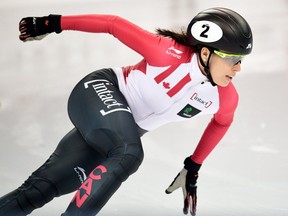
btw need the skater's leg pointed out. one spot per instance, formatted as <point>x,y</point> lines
<point>62,173</point>
<point>109,130</point>
<point>123,160</point>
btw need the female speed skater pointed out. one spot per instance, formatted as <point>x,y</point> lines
<point>182,74</point>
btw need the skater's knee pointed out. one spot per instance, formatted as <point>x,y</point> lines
<point>34,194</point>
<point>129,160</point>
<point>41,192</point>
<point>126,153</point>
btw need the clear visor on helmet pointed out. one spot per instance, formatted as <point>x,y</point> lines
<point>232,59</point>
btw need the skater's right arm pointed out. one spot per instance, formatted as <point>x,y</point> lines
<point>149,45</point>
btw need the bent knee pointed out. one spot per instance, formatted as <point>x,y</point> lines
<point>129,161</point>
<point>126,155</point>
<point>33,194</point>
<point>39,193</point>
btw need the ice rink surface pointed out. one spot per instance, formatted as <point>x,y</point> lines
<point>247,174</point>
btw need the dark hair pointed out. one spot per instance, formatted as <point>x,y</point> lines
<point>180,37</point>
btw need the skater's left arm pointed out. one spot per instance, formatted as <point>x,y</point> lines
<point>214,132</point>
<point>219,124</point>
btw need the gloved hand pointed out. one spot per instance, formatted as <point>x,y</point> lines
<point>187,179</point>
<point>36,28</point>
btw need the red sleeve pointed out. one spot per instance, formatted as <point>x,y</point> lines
<point>218,125</point>
<point>147,44</point>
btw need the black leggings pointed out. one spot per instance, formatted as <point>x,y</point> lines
<point>95,157</point>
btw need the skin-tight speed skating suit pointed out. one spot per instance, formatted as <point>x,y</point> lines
<point>112,108</point>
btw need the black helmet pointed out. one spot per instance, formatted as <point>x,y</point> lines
<point>221,29</point>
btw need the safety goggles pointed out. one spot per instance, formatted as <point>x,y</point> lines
<point>232,59</point>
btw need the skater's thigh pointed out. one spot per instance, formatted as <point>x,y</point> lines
<point>101,113</point>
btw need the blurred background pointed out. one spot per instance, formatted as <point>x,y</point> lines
<point>245,175</point>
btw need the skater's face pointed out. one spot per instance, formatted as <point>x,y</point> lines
<point>223,67</point>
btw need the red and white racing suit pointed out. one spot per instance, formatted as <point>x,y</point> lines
<point>167,85</point>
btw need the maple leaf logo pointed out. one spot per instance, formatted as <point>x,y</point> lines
<point>166,85</point>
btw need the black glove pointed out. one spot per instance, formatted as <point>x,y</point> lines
<point>187,179</point>
<point>36,28</point>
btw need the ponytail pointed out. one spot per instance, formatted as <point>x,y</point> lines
<point>180,37</point>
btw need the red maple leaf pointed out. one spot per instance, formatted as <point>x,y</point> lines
<point>166,85</point>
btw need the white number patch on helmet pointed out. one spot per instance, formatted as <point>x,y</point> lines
<point>206,31</point>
